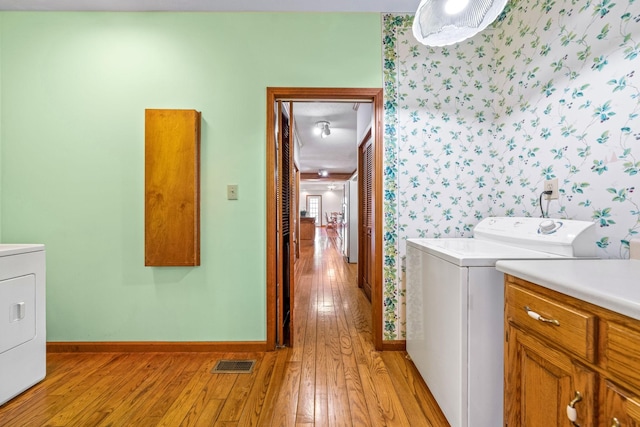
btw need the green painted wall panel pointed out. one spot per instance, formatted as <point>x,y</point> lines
<point>74,89</point>
<point>1,128</point>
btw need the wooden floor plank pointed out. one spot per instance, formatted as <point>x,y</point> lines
<point>257,398</point>
<point>209,413</point>
<point>97,402</point>
<point>303,278</point>
<point>321,411</point>
<point>349,340</point>
<point>237,398</point>
<point>66,392</point>
<point>154,400</point>
<point>374,410</point>
<point>338,398</point>
<point>284,412</point>
<point>332,376</point>
<point>190,394</point>
<point>276,384</point>
<point>404,370</point>
<point>42,399</point>
<point>412,409</point>
<point>306,309</point>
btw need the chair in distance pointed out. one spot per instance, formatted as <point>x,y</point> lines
<point>331,222</point>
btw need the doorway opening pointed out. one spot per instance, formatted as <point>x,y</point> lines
<point>279,189</point>
<point>314,208</point>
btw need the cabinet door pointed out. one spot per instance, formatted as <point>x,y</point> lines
<point>540,382</point>
<point>620,408</point>
<point>172,188</point>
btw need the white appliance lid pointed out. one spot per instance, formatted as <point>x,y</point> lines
<point>475,252</point>
<point>497,238</point>
<point>7,249</point>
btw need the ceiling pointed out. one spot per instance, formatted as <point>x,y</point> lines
<point>335,153</point>
<point>215,5</point>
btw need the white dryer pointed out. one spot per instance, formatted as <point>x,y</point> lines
<point>22,318</point>
<point>455,306</point>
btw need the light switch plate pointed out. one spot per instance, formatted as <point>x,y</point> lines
<point>232,192</point>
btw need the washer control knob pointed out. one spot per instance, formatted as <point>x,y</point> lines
<point>547,226</point>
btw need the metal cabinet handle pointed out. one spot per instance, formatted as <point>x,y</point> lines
<point>572,414</point>
<point>615,422</point>
<point>536,316</point>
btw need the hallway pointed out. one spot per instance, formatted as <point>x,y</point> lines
<point>331,377</point>
<point>343,380</point>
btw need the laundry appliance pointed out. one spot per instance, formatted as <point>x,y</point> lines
<point>22,318</point>
<point>455,306</point>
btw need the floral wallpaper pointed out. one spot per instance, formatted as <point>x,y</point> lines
<point>550,90</point>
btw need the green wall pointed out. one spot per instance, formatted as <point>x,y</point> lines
<point>0,128</point>
<point>74,89</point>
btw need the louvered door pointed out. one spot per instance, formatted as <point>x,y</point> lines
<point>285,264</point>
<point>366,242</point>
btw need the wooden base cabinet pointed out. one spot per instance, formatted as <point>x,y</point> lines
<point>620,407</point>
<point>307,228</point>
<point>564,356</point>
<point>542,382</point>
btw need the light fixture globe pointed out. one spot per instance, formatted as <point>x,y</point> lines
<point>446,22</point>
<point>322,128</point>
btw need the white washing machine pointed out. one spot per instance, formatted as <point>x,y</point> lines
<point>22,318</point>
<point>455,306</point>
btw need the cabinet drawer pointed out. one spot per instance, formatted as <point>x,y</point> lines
<point>622,351</point>
<point>574,330</point>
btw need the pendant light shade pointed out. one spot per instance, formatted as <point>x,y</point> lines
<point>445,22</point>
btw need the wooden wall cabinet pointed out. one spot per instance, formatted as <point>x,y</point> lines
<point>172,188</point>
<point>590,350</point>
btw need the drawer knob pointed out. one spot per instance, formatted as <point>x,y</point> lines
<point>615,422</point>
<point>572,413</point>
<point>536,316</point>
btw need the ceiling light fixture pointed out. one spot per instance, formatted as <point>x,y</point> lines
<point>445,22</point>
<point>322,129</point>
<point>323,173</point>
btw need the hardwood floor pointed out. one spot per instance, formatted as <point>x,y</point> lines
<point>332,376</point>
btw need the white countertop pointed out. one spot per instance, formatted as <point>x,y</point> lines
<point>613,284</point>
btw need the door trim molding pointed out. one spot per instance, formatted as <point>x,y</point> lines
<point>373,95</point>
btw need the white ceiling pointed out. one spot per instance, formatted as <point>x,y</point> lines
<point>216,5</point>
<point>337,152</point>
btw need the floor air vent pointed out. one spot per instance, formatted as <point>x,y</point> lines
<point>233,367</point>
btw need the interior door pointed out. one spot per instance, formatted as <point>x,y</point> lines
<point>314,208</point>
<point>285,225</point>
<point>366,243</point>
